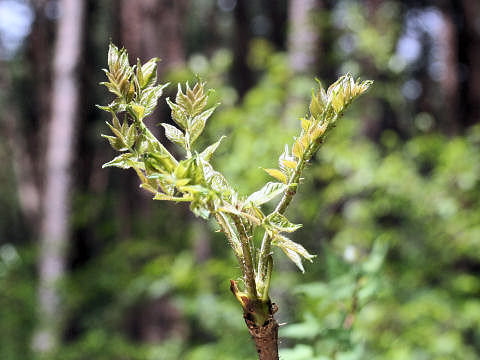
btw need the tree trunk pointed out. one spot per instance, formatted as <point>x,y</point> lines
<point>470,44</point>
<point>54,230</point>
<point>303,36</point>
<point>449,79</point>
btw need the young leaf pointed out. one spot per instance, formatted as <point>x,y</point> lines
<point>198,123</point>
<point>115,143</point>
<point>150,97</point>
<point>266,193</point>
<point>280,223</point>
<point>277,174</point>
<point>290,164</point>
<point>293,250</point>
<point>178,114</point>
<point>137,111</point>
<point>165,197</point>
<point>174,135</point>
<point>124,161</point>
<point>149,73</point>
<point>208,152</point>
<point>131,135</point>
<point>297,149</point>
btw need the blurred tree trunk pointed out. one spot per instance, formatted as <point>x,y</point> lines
<point>242,74</point>
<point>54,230</point>
<point>470,43</point>
<point>449,79</point>
<point>28,192</point>
<point>154,28</point>
<point>303,35</point>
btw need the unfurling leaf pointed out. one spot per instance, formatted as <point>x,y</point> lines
<point>137,111</point>
<point>115,143</point>
<point>280,223</point>
<point>150,97</point>
<point>194,100</point>
<point>124,161</point>
<point>148,72</point>
<point>178,114</point>
<point>290,164</point>
<point>297,149</point>
<point>159,162</point>
<point>174,135</point>
<point>198,123</point>
<point>208,152</point>
<point>277,174</point>
<point>293,250</point>
<point>306,124</point>
<point>266,193</point>
<point>165,197</point>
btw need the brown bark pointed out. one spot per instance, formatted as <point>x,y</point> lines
<point>56,202</point>
<point>265,338</point>
<point>260,322</point>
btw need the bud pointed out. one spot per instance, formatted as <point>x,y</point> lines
<point>316,106</point>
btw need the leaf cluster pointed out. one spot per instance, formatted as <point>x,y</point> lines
<point>193,179</point>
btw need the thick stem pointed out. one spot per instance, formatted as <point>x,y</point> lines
<point>249,271</point>
<point>265,338</point>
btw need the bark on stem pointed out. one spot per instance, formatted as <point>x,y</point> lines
<point>265,338</point>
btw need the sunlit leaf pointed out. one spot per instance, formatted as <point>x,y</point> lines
<point>293,250</point>
<point>277,174</point>
<point>198,123</point>
<point>174,135</point>
<point>266,193</point>
<point>208,152</point>
<point>280,223</point>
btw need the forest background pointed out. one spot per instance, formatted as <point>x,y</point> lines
<point>91,267</point>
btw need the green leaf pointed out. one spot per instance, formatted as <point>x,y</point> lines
<point>214,179</point>
<point>149,73</point>
<point>131,135</point>
<point>188,169</point>
<point>165,197</point>
<point>115,143</point>
<point>123,161</point>
<point>197,124</point>
<point>293,250</point>
<point>150,97</point>
<point>178,114</point>
<point>121,139</point>
<point>194,100</point>
<point>208,152</point>
<point>277,174</point>
<point>137,111</point>
<point>297,149</point>
<point>174,135</point>
<point>280,223</point>
<point>266,193</point>
<point>159,162</point>
<point>290,164</point>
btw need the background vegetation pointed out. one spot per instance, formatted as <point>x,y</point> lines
<point>390,206</point>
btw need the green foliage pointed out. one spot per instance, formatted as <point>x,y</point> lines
<point>194,180</point>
